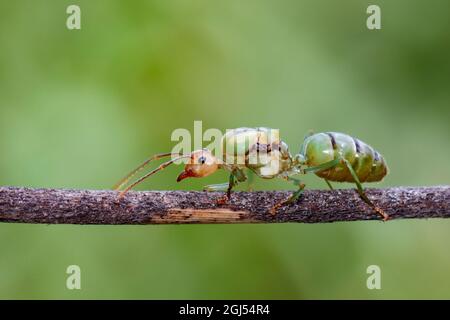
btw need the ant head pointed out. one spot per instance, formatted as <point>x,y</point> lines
<point>201,164</point>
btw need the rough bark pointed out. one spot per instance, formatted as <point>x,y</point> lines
<point>49,206</point>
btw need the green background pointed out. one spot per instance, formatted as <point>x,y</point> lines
<point>78,109</point>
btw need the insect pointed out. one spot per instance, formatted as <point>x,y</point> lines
<point>332,156</point>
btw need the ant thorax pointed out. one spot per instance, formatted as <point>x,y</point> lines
<point>257,149</point>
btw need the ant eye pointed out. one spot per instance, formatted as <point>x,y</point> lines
<point>201,160</point>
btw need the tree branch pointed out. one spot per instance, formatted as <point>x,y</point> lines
<point>164,207</point>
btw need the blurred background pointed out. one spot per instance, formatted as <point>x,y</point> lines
<point>79,109</point>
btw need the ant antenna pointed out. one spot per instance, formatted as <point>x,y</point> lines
<point>127,178</point>
<point>161,167</point>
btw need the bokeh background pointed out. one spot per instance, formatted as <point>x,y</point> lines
<point>78,109</point>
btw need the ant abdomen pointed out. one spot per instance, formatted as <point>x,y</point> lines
<point>368,164</point>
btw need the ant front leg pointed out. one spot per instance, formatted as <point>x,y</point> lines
<point>216,187</point>
<point>224,199</point>
<point>227,186</point>
<point>294,197</point>
<point>236,176</point>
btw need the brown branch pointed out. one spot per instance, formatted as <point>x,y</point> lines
<point>164,207</point>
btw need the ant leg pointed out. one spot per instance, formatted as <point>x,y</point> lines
<point>322,166</point>
<point>361,192</point>
<point>294,197</point>
<point>216,187</point>
<point>329,184</point>
<point>232,182</point>
<point>237,175</point>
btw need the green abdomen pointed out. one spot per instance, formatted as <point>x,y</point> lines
<point>320,148</point>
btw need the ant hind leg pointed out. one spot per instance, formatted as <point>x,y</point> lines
<point>362,193</point>
<point>329,184</point>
